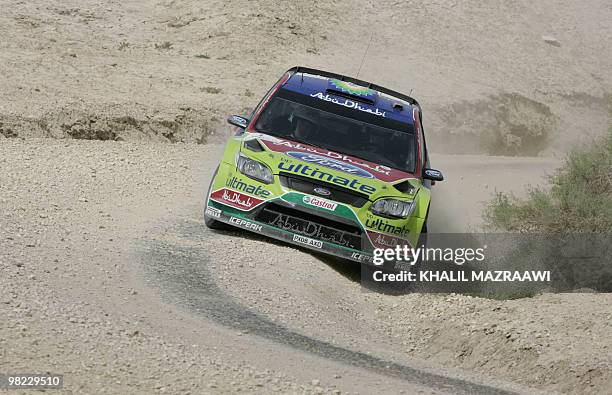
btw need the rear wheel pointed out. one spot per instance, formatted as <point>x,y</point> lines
<point>389,278</point>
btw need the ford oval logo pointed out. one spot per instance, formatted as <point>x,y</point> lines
<point>331,163</point>
<point>322,191</point>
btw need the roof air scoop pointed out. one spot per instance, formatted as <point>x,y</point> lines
<point>351,91</point>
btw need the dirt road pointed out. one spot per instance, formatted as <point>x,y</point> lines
<point>111,278</point>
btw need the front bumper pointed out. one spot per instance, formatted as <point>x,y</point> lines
<point>352,248</point>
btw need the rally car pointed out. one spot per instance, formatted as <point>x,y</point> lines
<point>327,162</point>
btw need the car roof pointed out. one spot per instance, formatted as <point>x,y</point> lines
<point>345,90</point>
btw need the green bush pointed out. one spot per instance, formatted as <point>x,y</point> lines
<point>580,199</point>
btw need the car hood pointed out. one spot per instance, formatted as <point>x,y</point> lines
<point>350,172</point>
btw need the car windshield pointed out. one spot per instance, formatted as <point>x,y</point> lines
<point>306,124</point>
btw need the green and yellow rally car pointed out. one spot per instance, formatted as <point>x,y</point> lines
<point>327,162</point>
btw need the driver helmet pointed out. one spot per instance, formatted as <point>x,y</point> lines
<point>306,122</point>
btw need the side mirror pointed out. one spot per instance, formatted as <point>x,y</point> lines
<point>433,175</point>
<point>239,121</point>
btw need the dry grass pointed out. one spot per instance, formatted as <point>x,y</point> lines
<point>580,199</point>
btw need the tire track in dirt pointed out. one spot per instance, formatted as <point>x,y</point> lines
<point>182,269</point>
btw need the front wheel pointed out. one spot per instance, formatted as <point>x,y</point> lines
<point>214,224</point>
<point>210,222</point>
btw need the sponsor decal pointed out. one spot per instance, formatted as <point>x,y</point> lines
<point>311,229</point>
<point>236,183</point>
<point>321,175</point>
<point>213,212</point>
<point>381,225</point>
<point>331,163</point>
<point>361,257</point>
<point>318,202</point>
<point>381,172</point>
<point>308,241</point>
<point>348,103</point>
<point>380,240</point>
<point>235,199</point>
<point>322,191</point>
<point>243,223</point>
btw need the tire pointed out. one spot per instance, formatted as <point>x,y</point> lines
<point>424,229</point>
<point>209,222</point>
<point>214,224</point>
<point>384,287</point>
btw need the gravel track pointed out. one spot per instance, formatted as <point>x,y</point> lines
<point>81,296</point>
<point>109,276</point>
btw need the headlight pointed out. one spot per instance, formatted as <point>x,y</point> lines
<point>255,170</point>
<point>392,208</point>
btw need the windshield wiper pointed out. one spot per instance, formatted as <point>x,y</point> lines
<point>308,143</point>
<point>291,138</point>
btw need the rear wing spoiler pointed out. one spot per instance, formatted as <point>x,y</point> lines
<point>382,89</point>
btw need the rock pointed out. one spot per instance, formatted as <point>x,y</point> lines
<point>551,40</point>
<point>315,382</point>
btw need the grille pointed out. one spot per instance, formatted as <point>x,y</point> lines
<point>317,227</point>
<point>308,185</point>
